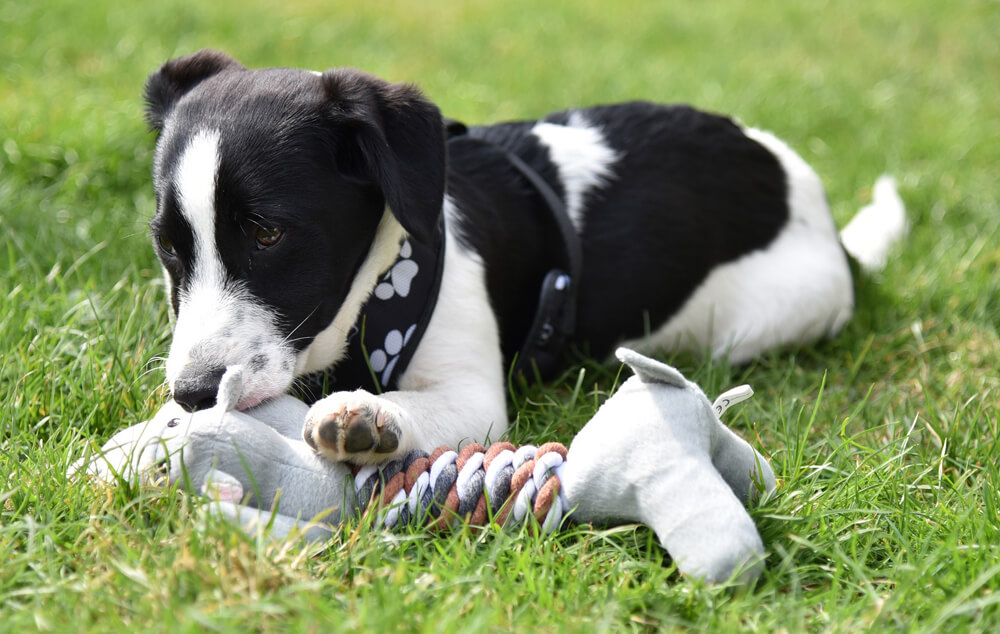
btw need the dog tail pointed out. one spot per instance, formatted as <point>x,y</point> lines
<point>873,231</point>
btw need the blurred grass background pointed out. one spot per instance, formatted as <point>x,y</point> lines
<point>885,438</point>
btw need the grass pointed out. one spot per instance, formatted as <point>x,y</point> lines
<point>885,439</point>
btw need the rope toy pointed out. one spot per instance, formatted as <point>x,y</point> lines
<point>655,452</point>
<point>504,484</point>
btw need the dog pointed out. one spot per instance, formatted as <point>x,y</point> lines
<point>291,204</point>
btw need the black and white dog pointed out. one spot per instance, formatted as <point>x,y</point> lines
<point>300,213</point>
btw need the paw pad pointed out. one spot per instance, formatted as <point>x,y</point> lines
<point>352,432</point>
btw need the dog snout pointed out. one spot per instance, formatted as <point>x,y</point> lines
<point>196,387</point>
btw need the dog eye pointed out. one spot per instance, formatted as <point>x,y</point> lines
<point>166,245</point>
<point>268,237</point>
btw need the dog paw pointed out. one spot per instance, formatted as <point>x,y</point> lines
<point>353,427</point>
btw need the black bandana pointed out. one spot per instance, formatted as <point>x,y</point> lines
<point>390,326</point>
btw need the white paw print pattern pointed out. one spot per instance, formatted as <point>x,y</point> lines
<point>384,359</point>
<point>397,281</point>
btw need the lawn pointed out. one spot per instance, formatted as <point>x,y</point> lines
<point>885,439</point>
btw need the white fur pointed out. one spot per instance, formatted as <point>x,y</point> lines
<point>219,323</point>
<point>168,285</point>
<point>806,197</point>
<point>795,290</point>
<point>453,389</point>
<point>330,345</point>
<point>195,182</point>
<point>582,156</point>
<point>872,232</point>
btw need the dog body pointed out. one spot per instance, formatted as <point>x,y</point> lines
<point>284,196</point>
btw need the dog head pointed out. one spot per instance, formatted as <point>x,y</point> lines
<point>281,196</point>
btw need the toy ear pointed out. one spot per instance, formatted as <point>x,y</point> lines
<point>650,370</point>
<point>392,137</point>
<point>177,77</point>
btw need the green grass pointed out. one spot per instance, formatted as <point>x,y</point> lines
<point>885,439</point>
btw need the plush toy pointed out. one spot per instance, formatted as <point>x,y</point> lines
<point>655,452</point>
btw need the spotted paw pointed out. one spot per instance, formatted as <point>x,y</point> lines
<point>353,427</point>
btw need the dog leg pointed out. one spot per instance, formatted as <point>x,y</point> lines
<point>451,393</point>
<point>363,428</point>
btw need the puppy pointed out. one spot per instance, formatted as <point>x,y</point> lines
<point>331,233</point>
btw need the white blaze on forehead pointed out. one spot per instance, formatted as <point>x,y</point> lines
<point>203,301</point>
<point>195,183</point>
<point>582,157</point>
<point>219,323</point>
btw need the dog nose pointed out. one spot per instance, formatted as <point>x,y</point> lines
<point>196,387</point>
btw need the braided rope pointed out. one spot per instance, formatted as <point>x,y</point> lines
<point>503,484</point>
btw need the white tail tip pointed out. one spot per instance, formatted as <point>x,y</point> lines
<point>879,225</point>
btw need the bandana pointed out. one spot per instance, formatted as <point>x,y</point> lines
<point>390,325</point>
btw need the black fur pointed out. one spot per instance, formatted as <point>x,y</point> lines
<point>690,191</point>
<point>177,77</point>
<point>393,138</point>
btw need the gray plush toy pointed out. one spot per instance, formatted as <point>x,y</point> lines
<point>655,452</point>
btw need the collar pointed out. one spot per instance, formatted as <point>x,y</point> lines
<point>390,325</point>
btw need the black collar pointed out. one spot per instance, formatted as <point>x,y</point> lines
<point>555,315</point>
<point>542,352</point>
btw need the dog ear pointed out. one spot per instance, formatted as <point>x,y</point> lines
<point>391,136</point>
<point>178,76</point>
